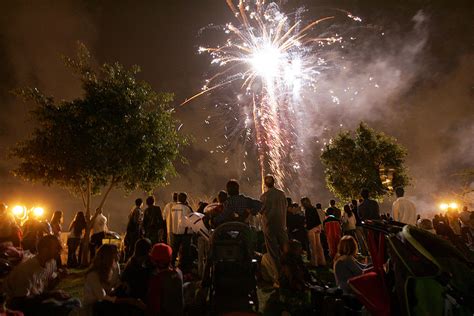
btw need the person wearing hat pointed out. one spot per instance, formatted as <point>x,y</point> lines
<point>165,287</point>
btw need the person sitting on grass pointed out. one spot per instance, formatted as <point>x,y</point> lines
<point>294,295</point>
<point>137,270</point>
<point>165,288</point>
<point>295,276</point>
<point>346,265</point>
<point>99,285</point>
<point>29,287</point>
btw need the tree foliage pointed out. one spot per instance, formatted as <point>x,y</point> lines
<point>118,134</point>
<point>354,161</point>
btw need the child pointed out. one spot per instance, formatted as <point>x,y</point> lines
<point>165,288</point>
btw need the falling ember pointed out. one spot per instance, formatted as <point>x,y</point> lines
<point>274,58</point>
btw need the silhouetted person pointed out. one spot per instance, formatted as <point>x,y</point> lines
<point>314,227</point>
<point>334,210</point>
<point>134,228</point>
<point>368,209</point>
<point>153,223</point>
<point>76,229</point>
<point>237,207</point>
<point>274,221</point>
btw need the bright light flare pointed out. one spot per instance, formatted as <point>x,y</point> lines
<point>443,206</point>
<point>19,211</point>
<point>38,211</point>
<point>453,205</point>
<point>267,61</point>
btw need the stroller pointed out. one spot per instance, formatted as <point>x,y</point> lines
<point>232,269</point>
<point>426,274</point>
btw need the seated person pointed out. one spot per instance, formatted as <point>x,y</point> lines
<point>137,270</point>
<point>345,264</point>
<point>294,295</point>
<point>29,286</point>
<point>4,311</point>
<point>98,287</point>
<point>295,276</point>
<point>165,288</point>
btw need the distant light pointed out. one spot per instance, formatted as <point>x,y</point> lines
<point>38,211</point>
<point>453,205</point>
<point>443,206</point>
<point>19,211</point>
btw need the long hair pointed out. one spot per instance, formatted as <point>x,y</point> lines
<point>103,262</point>
<point>348,210</point>
<point>78,224</point>
<point>57,216</point>
<point>347,247</point>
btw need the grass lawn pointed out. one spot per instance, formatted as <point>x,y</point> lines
<point>74,282</point>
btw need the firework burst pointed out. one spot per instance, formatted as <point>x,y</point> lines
<point>274,57</point>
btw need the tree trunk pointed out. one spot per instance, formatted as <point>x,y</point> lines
<point>85,241</point>
<point>112,184</point>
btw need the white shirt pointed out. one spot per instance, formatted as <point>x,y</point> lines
<point>176,219</point>
<point>404,211</point>
<point>94,291</point>
<point>29,278</point>
<point>166,213</point>
<point>100,224</point>
<point>349,223</point>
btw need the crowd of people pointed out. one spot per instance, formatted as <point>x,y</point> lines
<point>161,247</point>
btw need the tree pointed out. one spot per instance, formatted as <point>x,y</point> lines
<point>355,162</point>
<point>118,134</point>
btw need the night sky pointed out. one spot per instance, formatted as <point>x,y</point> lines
<point>420,53</point>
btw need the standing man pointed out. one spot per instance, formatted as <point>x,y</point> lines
<point>368,209</point>
<point>99,227</point>
<point>134,228</point>
<point>334,210</point>
<point>237,207</point>
<point>167,210</point>
<point>274,221</point>
<point>403,210</point>
<point>153,222</point>
<point>180,233</point>
<point>314,227</point>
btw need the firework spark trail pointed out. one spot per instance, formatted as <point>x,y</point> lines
<point>274,59</point>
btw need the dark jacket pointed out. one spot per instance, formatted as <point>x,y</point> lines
<point>312,218</point>
<point>369,209</point>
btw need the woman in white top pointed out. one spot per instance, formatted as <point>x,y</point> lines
<point>99,285</point>
<point>348,221</point>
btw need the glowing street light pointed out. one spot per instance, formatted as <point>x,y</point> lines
<point>453,205</point>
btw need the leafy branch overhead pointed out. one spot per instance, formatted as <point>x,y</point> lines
<point>119,133</point>
<point>353,162</point>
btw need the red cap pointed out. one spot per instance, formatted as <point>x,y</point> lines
<point>161,253</point>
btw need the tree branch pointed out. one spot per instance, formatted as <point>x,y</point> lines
<point>113,182</point>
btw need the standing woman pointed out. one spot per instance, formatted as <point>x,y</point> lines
<point>78,225</point>
<point>56,228</point>
<point>56,223</point>
<point>349,222</point>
